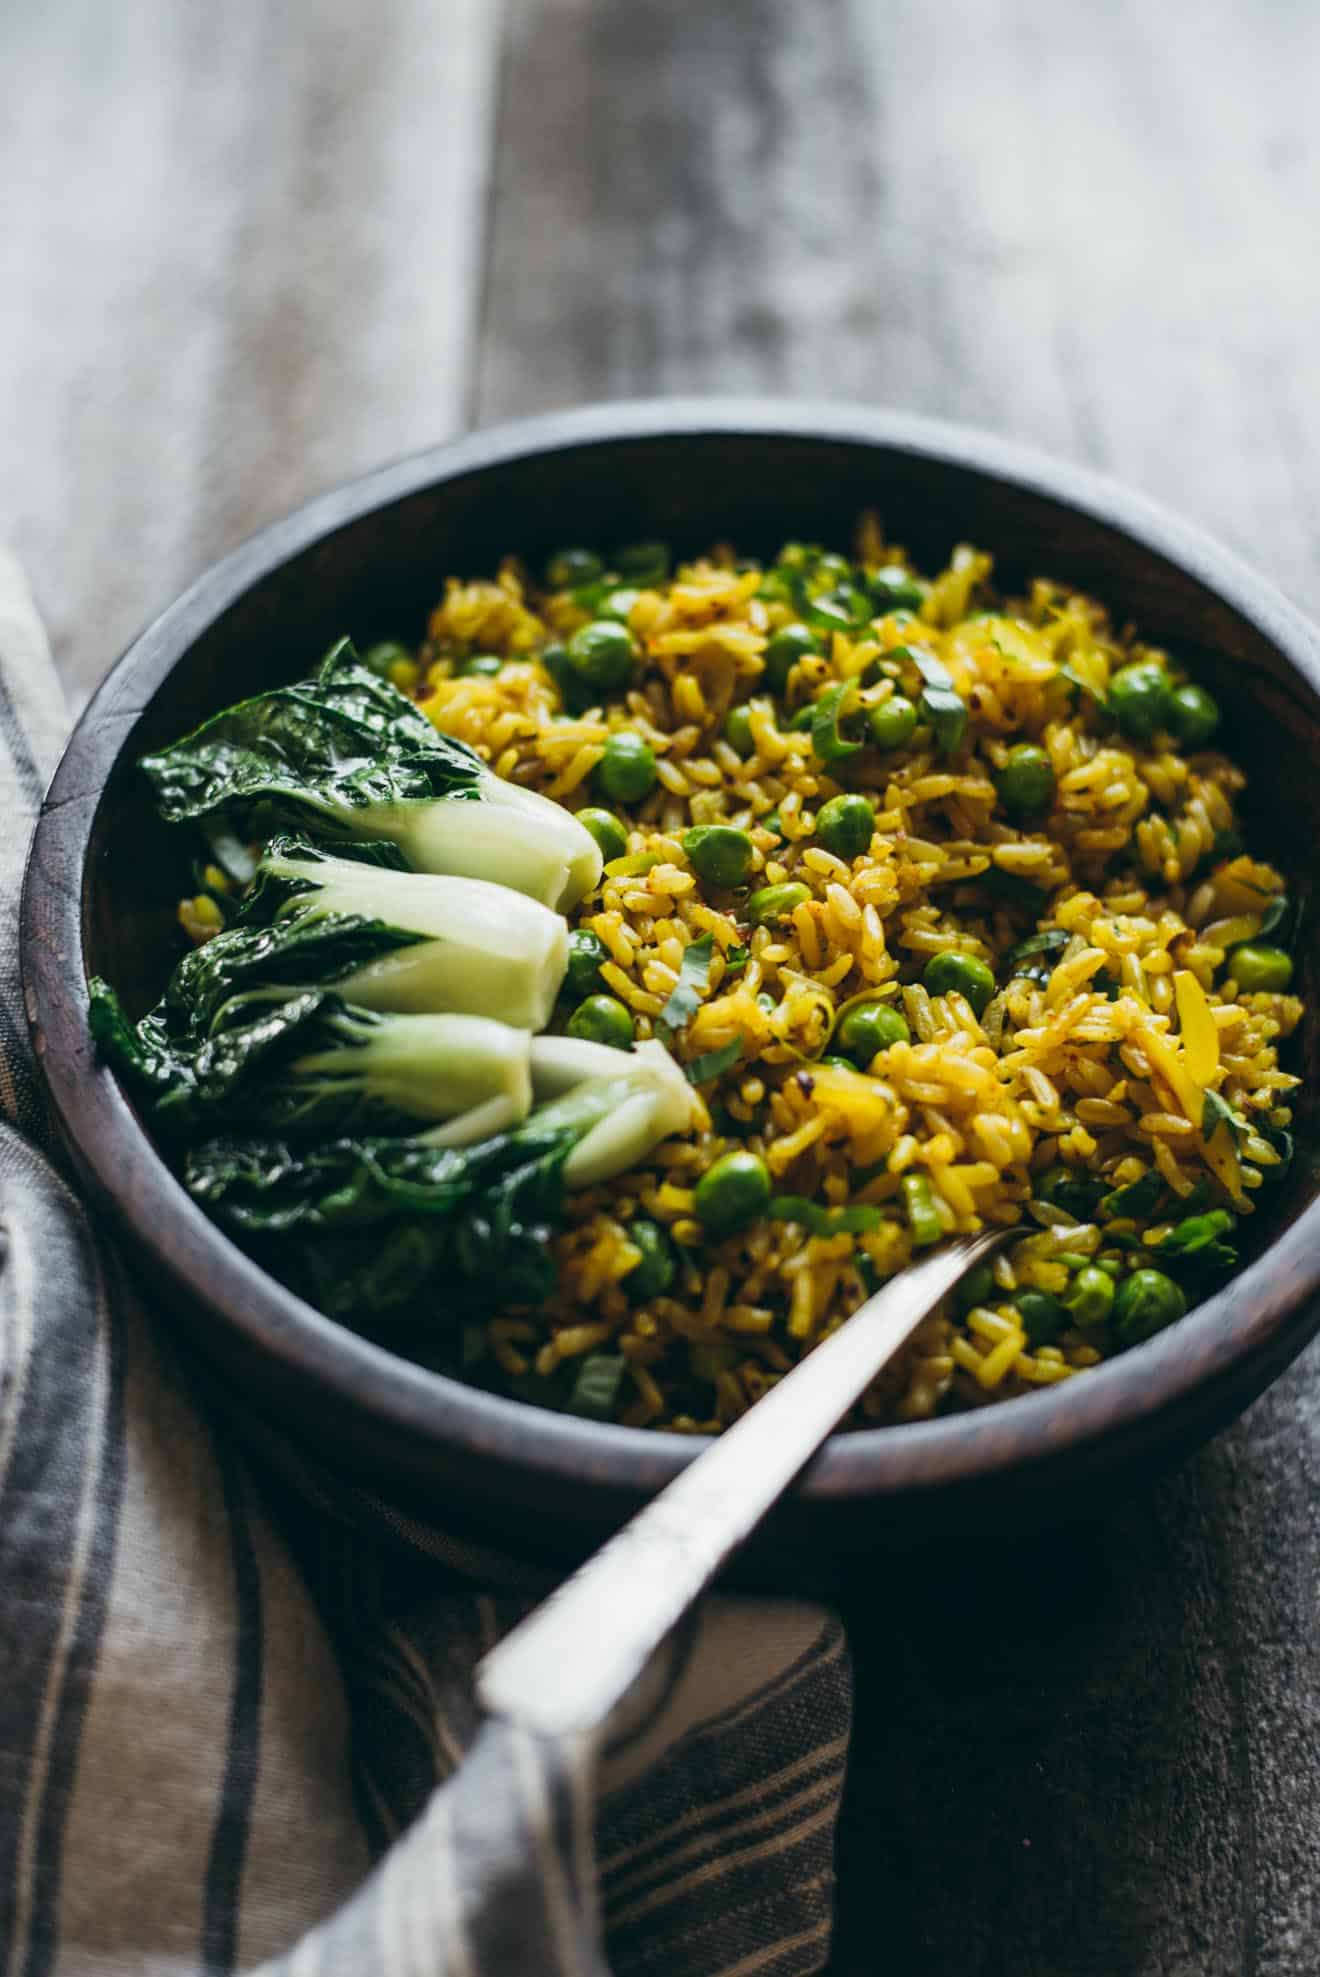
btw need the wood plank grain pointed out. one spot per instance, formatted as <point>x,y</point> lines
<point>1090,228</point>
<point>239,260</point>
<point>1094,1755</point>
<point>240,257</point>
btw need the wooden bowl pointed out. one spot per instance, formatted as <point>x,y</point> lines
<point>370,559</point>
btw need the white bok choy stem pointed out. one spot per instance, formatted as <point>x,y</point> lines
<point>508,835</point>
<point>627,1102</point>
<point>488,952</point>
<point>468,1070</point>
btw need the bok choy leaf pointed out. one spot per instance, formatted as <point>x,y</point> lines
<point>374,1229</point>
<point>467,946</point>
<point>313,1063</point>
<point>345,755</point>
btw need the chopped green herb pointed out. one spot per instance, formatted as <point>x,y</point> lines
<point>826,741</point>
<point>1049,941</point>
<point>653,1275</point>
<point>1076,681</point>
<point>1283,1144</point>
<point>843,609</point>
<point>857,1220</point>
<point>1277,919</point>
<point>596,1387</point>
<point>1137,1201</point>
<point>714,1063</point>
<point>941,702</point>
<point>693,978</point>
<point>1217,1112</point>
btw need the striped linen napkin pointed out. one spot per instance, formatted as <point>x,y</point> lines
<point>236,1722</point>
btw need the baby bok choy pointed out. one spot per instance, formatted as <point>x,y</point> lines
<point>480,948</point>
<point>385,938</point>
<point>345,755</point>
<point>383,1231</point>
<point>315,1064</point>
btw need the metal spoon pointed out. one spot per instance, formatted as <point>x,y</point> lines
<point>566,1667</point>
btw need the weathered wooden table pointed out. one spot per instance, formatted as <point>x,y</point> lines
<point>248,250</point>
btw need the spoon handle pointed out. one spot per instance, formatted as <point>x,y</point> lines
<point>565,1667</point>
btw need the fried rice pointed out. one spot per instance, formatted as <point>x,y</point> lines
<point>1099,1061</point>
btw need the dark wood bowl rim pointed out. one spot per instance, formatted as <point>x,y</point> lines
<point>1132,1392</point>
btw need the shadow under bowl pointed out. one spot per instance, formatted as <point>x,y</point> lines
<point>370,559</point>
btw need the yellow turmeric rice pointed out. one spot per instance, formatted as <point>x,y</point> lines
<point>1107,894</point>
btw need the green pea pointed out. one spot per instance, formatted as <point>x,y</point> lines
<point>1260,970</point>
<point>1144,1304</point>
<point>893,722</point>
<point>601,655</point>
<point>602,1019</point>
<point>894,589</point>
<point>1139,699</point>
<point>732,1192</point>
<point>644,562</point>
<point>380,658</point>
<point>626,771</point>
<point>482,666</point>
<point>977,1287</point>
<point>617,604</point>
<point>719,854</point>
<point>971,978</point>
<point>770,904</point>
<point>867,1028</point>
<point>1042,1316</point>
<point>1026,781</point>
<point>845,825</point>
<point>586,951</point>
<point>1064,1187</point>
<point>1090,1296</point>
<point>569,567</point>
<point>738,730</point>
<point>829,571</point>
<point>772,821</point>
<point>1193,715</point>
<point>837,1063</point>
<point>655,1273</point>
<point>789,644</point>
<point>607,831</point>
<point>554,658</point>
